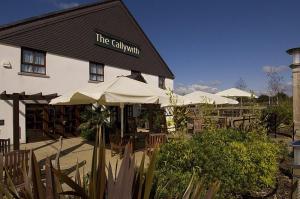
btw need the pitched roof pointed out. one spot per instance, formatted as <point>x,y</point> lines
<point>71,33</point>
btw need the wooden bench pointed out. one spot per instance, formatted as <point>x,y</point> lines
<point>13,162</point>
<point>4,146</point>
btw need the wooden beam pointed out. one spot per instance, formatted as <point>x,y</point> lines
<point>23,96</point>
<point>16,122</point>
<point>3,95</point>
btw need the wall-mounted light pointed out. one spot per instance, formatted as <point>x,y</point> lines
<point>6,64</point>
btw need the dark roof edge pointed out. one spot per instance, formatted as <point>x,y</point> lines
<point>139,27</point>
<point>52,14</point>
<point>83,6</point>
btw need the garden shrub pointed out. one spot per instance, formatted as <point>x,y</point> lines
<point>244,163</point>
<point>176,162</point>
<point>283,111</point>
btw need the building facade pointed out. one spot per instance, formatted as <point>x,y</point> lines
<point>65,50</point>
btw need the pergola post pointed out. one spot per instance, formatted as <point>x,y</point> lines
<point>122,119</point>
<point>16,122</point>
<point>16,97</point>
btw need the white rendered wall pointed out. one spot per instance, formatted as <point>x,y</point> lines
<point>153,80</point>
<point>64,74</point>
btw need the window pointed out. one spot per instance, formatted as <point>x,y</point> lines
<point>161,83</point>
<point>96,72</point>
<point>33,61</point>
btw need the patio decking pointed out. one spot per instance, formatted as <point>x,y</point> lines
<point>73,149</point>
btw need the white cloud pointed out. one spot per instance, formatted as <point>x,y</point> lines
<point>275,69</point>
<point>182,89</point>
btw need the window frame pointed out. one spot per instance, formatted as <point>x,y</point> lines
<point>164,82</point>
<point>33,64</point>
<point>90,73</point>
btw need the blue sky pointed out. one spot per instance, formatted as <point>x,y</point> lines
<point>207,43</point>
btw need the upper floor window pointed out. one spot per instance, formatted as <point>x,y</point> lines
<point>161,82</point>
<point>96,72</point>
<point>33,61</point>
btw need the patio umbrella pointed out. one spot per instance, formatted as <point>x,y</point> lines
<point>200,97</point>
<point>234,92</point>
<point>120,91</point>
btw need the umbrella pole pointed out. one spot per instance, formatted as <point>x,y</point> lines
<point>122,119</point>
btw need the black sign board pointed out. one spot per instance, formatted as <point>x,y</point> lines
<point>1,122</point>
<point>120,45</point>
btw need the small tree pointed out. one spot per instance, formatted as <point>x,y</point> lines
<point>275,83</point>
<point>241,84</point>
<point>91,118</point>
<point>180,113</point>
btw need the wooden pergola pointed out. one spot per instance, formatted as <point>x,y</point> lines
<point>16,98</point>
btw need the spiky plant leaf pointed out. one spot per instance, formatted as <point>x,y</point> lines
<point>51,192</point>
<point>101,175</point>
<point>77,174</point>
<point>150,174</point>
<point>141,178</point>
<point>197,191</point>
<point>93,173</point>
<point>37,185</point>
<point>110,182</point>
<point>122,187</point>
<point>65,179</point>
<point>212,191</point>
<point>1,176</point>
<point>27,185</point>
<point>189,189</point>
<point>10,185</point>
<point>57,163</point>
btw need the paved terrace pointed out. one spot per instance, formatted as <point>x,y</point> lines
<point>73,149</point>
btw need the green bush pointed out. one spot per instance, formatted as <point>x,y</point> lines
<point>244,163</point>
<point>283,111</point>
<point>176,162</point>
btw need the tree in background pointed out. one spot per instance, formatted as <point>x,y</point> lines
<point>241,84</point>
<point>275,84</point>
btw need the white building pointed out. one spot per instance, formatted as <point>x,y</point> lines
<point>61,51</point>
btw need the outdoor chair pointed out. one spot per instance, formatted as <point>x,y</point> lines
<point>154,140</point>
<point>13,162</point>
<point>4,146</point>
<point>198,125</point>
